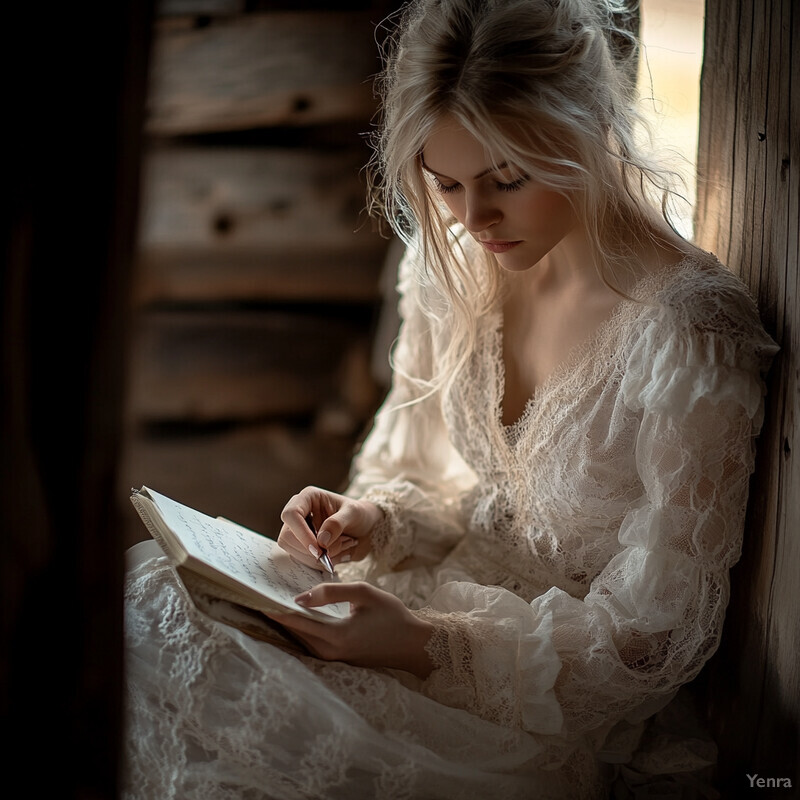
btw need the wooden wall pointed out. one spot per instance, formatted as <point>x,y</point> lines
<point>749,214</point>
<point>257,284</point>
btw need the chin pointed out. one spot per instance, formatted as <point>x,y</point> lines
<point>518,262</point>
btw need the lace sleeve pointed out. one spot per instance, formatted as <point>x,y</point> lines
<point>653,615</point>
<point>407,465</point>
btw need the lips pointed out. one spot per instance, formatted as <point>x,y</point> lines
<point>498,245</point>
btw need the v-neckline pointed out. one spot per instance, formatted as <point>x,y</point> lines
<point>574,357</point>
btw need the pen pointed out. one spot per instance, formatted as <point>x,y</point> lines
<point>324,558</point>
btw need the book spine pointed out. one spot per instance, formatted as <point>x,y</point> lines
<point>149,524</point>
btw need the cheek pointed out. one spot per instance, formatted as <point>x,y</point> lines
<point>551,209</point>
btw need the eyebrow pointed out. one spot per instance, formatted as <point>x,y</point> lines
<point>477,177</point>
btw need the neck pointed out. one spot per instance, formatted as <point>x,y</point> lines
<point>575,263</point>
<point>571,263</point>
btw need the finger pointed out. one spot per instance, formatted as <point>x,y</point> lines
<point>299,552</point>
<point>342,545</point>
<point>307,629</point>
<point>297,623</point>
<point>309,636</point>
<point>345,553</point>
<point>288,540</point>
<point>342,522</point>
<point>306,559</point>
<point>297,509</point>
<point>356,593</point>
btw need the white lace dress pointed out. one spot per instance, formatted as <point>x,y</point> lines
<point>575,564</point>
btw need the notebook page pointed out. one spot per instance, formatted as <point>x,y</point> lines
<point>251,559</point>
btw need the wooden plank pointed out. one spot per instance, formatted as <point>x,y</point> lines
<point>246,474</point>
<point>249,198</point>
<point>750,143</point>
<point>197,8</point>
<point>192,9</point>
<point>186,275</point>
<point>258,70</point>
<point>208,366</point>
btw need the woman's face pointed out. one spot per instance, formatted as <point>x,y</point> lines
<point>517,220</point>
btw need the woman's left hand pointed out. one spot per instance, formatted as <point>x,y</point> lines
<point>380,631</point>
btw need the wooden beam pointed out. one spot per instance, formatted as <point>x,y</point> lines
<point>177,275</point>
<point>206,366</point>
<point>258,70</point>
<point>229,199</point>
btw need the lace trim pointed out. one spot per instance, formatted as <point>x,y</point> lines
<point>391,541</point>
<point>452,681</point>
<point>587,357</point>
<point>457,642</point>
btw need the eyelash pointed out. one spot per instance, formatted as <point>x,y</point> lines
<point>514,186</point>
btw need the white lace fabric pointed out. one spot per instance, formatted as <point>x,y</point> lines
<point>575,566</point>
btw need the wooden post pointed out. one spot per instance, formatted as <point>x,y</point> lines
<point>749,214</point>
<point>75,93</point>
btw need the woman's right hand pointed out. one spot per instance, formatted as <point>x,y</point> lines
<point>344,526</point>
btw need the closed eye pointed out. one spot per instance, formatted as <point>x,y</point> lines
<point>514,185</point>
<point>444,188</point>
<point>448,188</point>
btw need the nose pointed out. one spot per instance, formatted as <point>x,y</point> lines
<point>480,212</point>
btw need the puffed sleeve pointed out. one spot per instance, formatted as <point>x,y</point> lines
<point>653,615</point>
<point>407,465</point>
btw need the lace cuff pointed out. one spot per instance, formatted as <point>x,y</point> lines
<point>452,681</point>
<point>392,542</point>
<point>499,669</point>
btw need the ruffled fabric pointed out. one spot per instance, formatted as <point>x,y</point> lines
<point>710,345</point>
<point>464,651</point>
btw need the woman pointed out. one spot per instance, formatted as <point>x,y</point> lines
<point>537,536</point>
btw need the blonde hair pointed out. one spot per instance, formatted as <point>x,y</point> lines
<point>547,86</point>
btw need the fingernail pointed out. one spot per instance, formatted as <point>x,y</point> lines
<point>324,538</point>
<point>303,599</point>
<point>313,550</point>
<point>345,558</point>
<point>348,543</point>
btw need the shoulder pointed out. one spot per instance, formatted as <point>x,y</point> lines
<point>700,299</point>
<point>704,294</point>
<point>699,333</point>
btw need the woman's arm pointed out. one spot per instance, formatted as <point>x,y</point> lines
<point>406,469</point>
<point>407,464</point>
